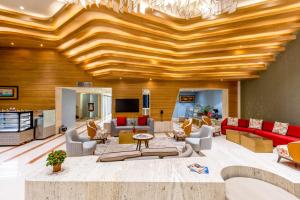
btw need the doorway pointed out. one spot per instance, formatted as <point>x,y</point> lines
<point>194,102</point>
<point>78,104</point>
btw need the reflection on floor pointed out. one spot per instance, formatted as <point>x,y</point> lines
<point>16,162</point>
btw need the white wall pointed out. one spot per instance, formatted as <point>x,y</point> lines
<point>68,107</point>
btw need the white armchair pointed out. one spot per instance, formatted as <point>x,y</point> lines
<point>201,140</point>
<point>79,146</point>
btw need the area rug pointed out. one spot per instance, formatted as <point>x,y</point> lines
<point>160,140</point>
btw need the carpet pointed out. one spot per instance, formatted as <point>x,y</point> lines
<point>159,141</point>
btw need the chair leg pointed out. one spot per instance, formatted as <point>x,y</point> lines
<point>279,158</point>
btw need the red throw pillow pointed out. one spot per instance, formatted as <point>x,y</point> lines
<point>121,121</point>
<point>142,121</point>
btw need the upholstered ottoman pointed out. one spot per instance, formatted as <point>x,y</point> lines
<point>118,156</point>
<point>160,152</point>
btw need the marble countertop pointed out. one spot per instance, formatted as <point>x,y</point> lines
<point>156,170</point>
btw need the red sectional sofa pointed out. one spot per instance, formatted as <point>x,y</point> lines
<point>292,135</point>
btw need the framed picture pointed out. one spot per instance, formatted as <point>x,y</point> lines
<point>91,107</point>
<point>9,92</point>
<point>187,98</point>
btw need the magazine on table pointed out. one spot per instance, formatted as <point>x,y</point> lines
<point>195,167</point>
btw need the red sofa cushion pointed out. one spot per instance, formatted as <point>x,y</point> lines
<point>121,121</point>
<point>277,138</point>
<point>294,131</point>
<point>249,130</point>
<point>142,121</point>
<point>243,123</point>
<point>267,126</point>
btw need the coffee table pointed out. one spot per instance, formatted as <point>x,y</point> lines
<point>234,136</point>
<point>257,143</point>
<point>142,137</point>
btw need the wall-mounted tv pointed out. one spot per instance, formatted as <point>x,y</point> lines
<point>127,105</point>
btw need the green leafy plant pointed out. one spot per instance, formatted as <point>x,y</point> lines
<point>56,157</point>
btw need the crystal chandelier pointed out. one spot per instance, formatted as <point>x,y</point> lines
<point>178,8</point>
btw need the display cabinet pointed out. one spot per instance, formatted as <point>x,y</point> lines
<point>16,127</point>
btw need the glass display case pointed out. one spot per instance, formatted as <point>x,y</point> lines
<point>16,121</point>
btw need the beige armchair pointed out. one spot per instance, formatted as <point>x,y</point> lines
<point>79,146</point>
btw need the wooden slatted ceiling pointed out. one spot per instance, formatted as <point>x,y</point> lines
<point>109,45</point>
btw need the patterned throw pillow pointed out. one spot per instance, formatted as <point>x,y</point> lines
<point>256,123</point>
<point>232,121</point>
<point>280,128</point>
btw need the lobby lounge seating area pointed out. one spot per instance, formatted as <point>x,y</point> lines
<point>149,100</point>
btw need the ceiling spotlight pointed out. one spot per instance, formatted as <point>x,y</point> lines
<point>120,78</point>
<point>150,79</point>
<point>12,44</point>
<point>22,7</point>
<point>41,45</point>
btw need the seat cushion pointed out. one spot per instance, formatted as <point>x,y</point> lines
<point>192,141</point>
<point>118,156</point>
<point>277,138</point>
<point>124,127</point>
<point>89,145</point>
<point>294,131</point>
<point>142,121</point>
<point>142,127</point>
<point>121,121</point>
<point>161,152</point>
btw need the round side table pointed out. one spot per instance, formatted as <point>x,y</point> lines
<point>142,137</point>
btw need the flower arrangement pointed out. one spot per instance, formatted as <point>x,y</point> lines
<point>55,159</point>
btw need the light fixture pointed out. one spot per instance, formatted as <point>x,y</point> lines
<point>178,8</point>
<point>150,79</point>
<point>12,44</point>
<point>22,7</point>
<point>120,78</point>
<point>41,45</point>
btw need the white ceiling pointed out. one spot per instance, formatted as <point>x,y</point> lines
<point>47,8</point>
<point>39,8</point>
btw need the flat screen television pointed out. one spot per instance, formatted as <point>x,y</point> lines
<point>127,105</point>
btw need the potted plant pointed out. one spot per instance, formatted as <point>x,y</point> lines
<point>55,159</point>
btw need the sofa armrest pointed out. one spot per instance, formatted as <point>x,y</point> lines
<point>224,123</point>
<point>151,125</point>
<point>114,131</point>
<point>74,148</point>
<point>205,143</point>
<point>83,139</point>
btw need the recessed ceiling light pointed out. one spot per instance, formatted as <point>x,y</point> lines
<point>41,45</point>
<point>12,44</point>
<point>120,78</point>
<point>22,7</point>
<point>150,79</point>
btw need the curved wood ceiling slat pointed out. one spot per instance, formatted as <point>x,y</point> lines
<point>109,45</point>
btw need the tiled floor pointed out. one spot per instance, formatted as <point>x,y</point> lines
<point>16,162</point>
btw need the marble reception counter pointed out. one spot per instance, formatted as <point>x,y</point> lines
<point>84,179</point>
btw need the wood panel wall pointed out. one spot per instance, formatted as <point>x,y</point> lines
<point>37,73</point>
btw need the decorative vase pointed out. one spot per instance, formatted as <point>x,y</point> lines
<point>57,168</point>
